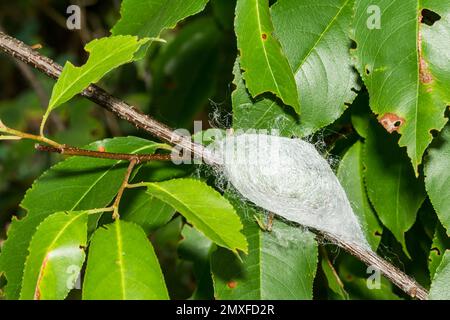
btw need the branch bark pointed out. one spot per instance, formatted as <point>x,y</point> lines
<point>73,151</point>
<point>370,258</point>
<point>21,51</point>
<point>25,53</point>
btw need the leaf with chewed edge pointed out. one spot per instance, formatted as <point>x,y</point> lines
<point>105,54</point>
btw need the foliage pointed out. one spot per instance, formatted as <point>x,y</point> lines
<point>368,84</point>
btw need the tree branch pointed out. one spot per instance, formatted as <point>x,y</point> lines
<point>73,151</point>
<point>21,51</point>
<point>370,258</point>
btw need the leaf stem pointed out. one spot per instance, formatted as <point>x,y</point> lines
<point>23,135</point>
<point>124,185</point>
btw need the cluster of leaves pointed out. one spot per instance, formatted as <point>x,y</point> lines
<point>320,70</point>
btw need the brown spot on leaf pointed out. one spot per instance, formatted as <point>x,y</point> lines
<point>424,72</point>
<point>232,284</point>
<point>391,122</point>
<point>377,233</point>
<point>101,149</point>
<point>264,36</point>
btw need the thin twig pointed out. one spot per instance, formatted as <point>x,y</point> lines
<point>125,181</point>
<point>23,135</point>
<point>21,51</point>
<point>73,151</point>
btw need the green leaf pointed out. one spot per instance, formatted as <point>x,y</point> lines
<point>206,209</point>
<point>78,183</point>
<point>333,280</point>
<point>406,68</point>
<point>440,244</point>
<point>265,66</point>
<point>148,212</point>
<point>439,286</point>
<point>261,113</point>
<point>437,177</point>
<point>147,18</point>
<point>56,257</point>
<point>315,38</point>
<point>122,265</point>
<point>393,190</point>
<point>105,54</point>
<point>351,175</point>
<point>280,264</point>
<point>196,247</point>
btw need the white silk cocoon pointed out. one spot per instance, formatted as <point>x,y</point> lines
<point>291,179</point>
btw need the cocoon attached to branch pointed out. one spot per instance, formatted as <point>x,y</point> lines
<point>291,179</point>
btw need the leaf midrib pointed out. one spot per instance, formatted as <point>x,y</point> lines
<point>322,34</point>
<point>258,17</point>
<point>120,259</point>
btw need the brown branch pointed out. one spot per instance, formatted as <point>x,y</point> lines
<point>370,258</point>
<point>73,151</point>
<point>21,51</point>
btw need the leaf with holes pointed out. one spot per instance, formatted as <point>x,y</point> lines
<point>437,176</point>
<point>394,191</point>
<point>56,255</point>
<point>105,54</point>
<point>280,264</point>
<point>265,66</point>
<point>315,38</point>
<point>206,209</point>
<point>122,265</point>
<point>351,176</point>
<point>405,65</point>
<point>77,183</point>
